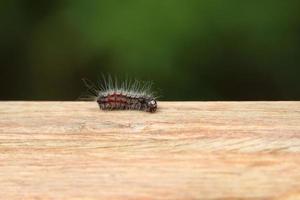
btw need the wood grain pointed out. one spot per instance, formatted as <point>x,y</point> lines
<point>187,150</point>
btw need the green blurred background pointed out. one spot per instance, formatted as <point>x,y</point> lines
<point>190,49</point>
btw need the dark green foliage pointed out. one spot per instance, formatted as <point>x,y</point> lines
<point>191,50</point>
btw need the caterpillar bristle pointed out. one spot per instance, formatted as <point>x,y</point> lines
<point>130,94</point>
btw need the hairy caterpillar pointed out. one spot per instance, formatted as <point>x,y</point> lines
<point>129,95</point>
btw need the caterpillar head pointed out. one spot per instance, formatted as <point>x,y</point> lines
<point>151,105</point>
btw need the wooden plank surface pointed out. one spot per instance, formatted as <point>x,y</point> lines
<point>187,150</point>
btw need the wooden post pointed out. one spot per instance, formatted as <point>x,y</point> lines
<point>187,150</point>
